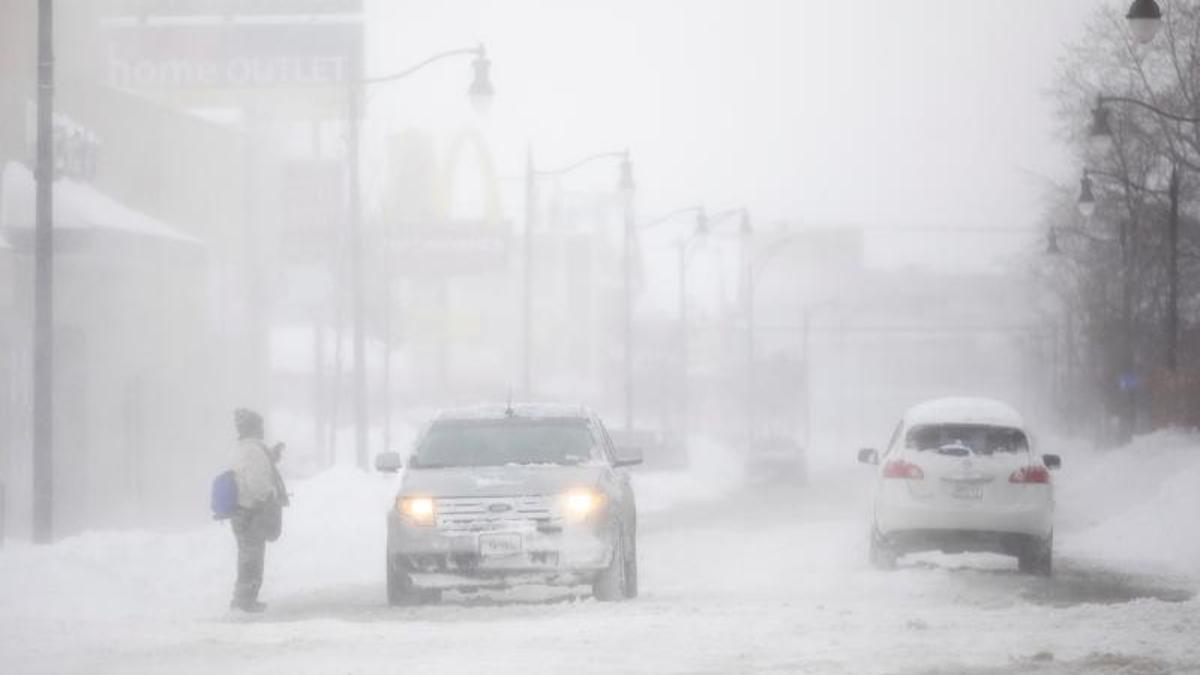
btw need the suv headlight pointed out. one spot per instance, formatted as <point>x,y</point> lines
<point>419,510</point>
<point>581,503</point>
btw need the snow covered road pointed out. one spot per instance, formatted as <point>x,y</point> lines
<point>760,580</point>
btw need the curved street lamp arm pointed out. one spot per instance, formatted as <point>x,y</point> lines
<point>1125,182</point>
<point>721,216</point>
<point>670,216</point>
<point>624,154</point>
<point>1154,109</point>
<point>477,51</point>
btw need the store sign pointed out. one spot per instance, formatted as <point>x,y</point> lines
<point>232,55</point>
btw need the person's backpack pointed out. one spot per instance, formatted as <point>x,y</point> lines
<point>224,496</point>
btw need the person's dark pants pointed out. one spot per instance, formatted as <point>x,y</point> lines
<point>252,551</point>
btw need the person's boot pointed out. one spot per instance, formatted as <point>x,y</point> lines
<point>249,606</point>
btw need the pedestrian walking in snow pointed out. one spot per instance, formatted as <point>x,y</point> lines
<point>261,496</point>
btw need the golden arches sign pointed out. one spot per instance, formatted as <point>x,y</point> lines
<point>446,185</point>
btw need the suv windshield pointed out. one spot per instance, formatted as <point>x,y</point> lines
<point>500,442</point>
<point>979,439</point>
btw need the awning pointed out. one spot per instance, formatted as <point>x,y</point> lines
<point>77,207</point>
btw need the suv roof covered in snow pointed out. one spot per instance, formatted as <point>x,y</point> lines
<point>964,411</point>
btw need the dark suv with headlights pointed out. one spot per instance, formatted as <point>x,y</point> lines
<point>499,496</point>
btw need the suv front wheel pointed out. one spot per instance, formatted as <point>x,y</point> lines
<point>613,582</point>
<point>400,589</point>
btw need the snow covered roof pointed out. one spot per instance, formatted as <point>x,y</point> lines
<point>964,411</point>
<point>77,206</point>
<point>520,410</point>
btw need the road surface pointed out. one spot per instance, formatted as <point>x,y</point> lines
<point>761,580</point>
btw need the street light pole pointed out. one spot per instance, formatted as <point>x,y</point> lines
<point>43,319</point>
<point>625,184</point>
<point>684,392</point>
<point>480,92</point>
<point>702,226</point>
<point>527,272</point>
<point>1087,208</point>
<point>627,287</point>
<point>748,262</point>
<point>1172,326</point>
<point>357,277</point>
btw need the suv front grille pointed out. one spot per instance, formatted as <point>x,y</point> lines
<point>493,513</point>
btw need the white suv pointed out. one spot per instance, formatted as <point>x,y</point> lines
<point>497,496</point>
<point>961,475</point>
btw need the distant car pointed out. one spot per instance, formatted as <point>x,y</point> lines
<point>961,475</point>
<point>776,459</point>
<point>661,451</point>
<point>500,496</point>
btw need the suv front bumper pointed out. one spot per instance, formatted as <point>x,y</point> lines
<point>553,554</point>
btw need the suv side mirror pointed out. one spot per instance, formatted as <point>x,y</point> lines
<point>627,456</point>
<point>388,462</point>
<point>1052,461</point>
<point>868,456</point>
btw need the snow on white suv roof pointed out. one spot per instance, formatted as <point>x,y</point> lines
<point>982,411</point>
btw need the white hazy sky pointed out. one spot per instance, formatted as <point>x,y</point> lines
<point>878,113</point>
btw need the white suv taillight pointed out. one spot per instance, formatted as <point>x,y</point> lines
<point>1030,475</point>
<point>898,468</point>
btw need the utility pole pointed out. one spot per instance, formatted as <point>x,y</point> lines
<point>357,276</point>
<point>748,292</point>
<point>481,94</point>
<point>807,350</point>
<point>627,285</point>
<point>527,295</point>
<point>1128,378</point>
<point>43,298</point>
<point>1172,327</point>
<point>684,391</point>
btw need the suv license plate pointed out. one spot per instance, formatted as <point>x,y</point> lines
<point>499,545</point>
<point>970,492</point>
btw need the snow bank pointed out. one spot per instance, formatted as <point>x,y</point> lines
<point>333,534</point>
<point>1136,507</point>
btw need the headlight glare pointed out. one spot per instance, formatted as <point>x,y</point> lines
<point>579,504</point>
<point>417,509</point>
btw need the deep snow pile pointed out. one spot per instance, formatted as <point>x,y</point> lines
<point>1136,506</point>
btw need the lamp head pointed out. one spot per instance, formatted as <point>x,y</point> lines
<point>1087,199</point>
<point>482,92</point>
<point>1145,20</point>
<point>1100,135</point>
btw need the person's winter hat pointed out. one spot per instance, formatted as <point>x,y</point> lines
<point>249,423</point>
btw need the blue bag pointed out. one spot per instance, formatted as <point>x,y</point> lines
<point>224,496</point>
